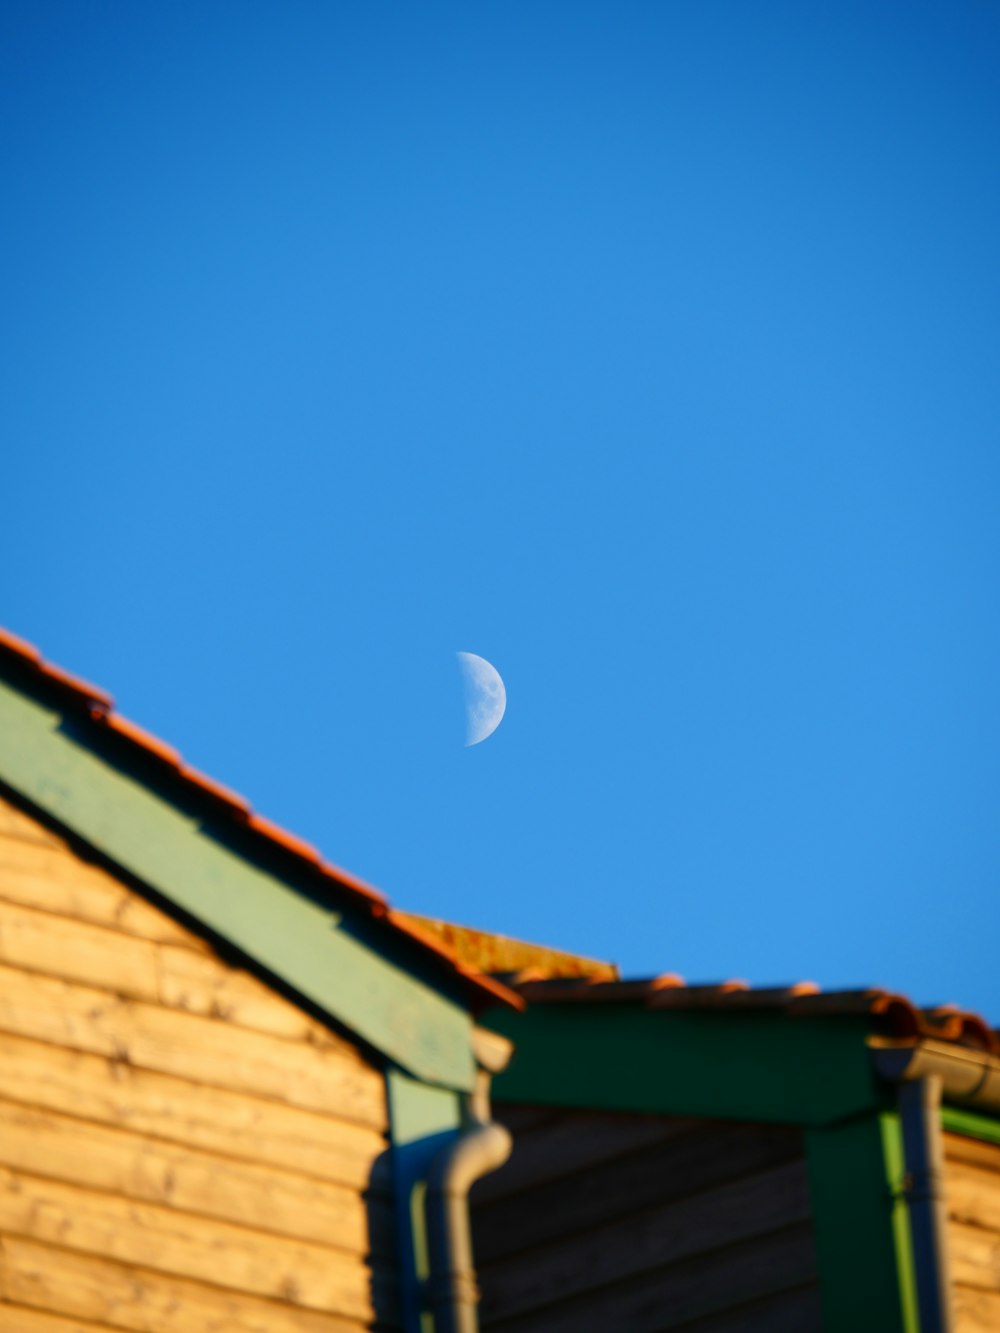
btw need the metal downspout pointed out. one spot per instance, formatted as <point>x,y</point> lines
<point>924,1073</point>
<point>920,1114</point>
<point>452,1290</point>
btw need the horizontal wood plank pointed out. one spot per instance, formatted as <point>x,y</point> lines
<point>230,1124</point>
<point>58,946</point>
<point>975,1256</point>
<point>690,1163</point>
<point>19,1319</point>
<point>119,1161</point>
<point>56,880</point>
<point>975,1311</point>
<point>520,1118</point>
<point>15,824</point>
<point>973,1195</point>
<point>195,981</point>
<point>123,1297</point>
<point>203,1050</point>
<point>960,1148</point>
<point>673,1297</point>
<point>632,1246</point>
<point>577,1141</point>
<point>168,1241</point>
<point>799,1311</point>
<point>204,984</point>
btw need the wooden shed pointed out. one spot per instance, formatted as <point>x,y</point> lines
<point>228,1069</point>
<point>722,1159</point>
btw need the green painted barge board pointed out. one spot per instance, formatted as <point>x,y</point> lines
<point>339,960</point>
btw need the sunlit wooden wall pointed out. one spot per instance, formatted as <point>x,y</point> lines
<point>182,1150</point>
<point>972,1175</point>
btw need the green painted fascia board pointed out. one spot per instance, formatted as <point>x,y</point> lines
<point>971,1124</point>
<point>339,960</point>
<point>423,1120</point>
<point>861,1225</point>
<point>746,1066</point>
<point>779,1069</point>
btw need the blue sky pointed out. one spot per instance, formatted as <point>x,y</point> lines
<point>650,351</point>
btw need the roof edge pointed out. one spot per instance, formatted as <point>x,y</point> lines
<point>889,1014</point>
<point>96,708</point>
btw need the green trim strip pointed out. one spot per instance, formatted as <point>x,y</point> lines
<point>423,1120</point>
<point>340,961</point>
<point>744,1066</point>
<point>971,1124</point>
<point>861,1224</point>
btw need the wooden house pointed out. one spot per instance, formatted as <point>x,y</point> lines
<point>721,1159</point>
<point>229,1071</point>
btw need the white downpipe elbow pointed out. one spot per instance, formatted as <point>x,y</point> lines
<point>452,1289</point>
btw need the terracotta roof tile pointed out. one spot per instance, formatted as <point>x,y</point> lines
<point>238,804</point>
<point>98,706</point>
<point>503,955</point>
<point>133,732</point>
<point>92,695</point>
<point>953,1024</point>
<point>891,1014</point>
<point>291,843</point>
<point>729,996</point>
<point>547,976</point>
<point>20,646</point>
<point>377,901</point>
<point>567,990</point>
<point>404,923</point>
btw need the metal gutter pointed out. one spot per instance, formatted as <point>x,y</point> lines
<point>452,1291</point>
<point>968,1077</point>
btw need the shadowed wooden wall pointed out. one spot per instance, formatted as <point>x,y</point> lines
<point>644,1223</point>
<point>182,1150</point>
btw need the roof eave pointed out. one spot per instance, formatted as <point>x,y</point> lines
<point>95,709</point>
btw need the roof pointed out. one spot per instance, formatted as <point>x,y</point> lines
<point>542,975</point>
<point>496,968</point>
<point>890,1014</point>
<point>778,1054</point>
<point>502,954</point>
<point>96,707</point>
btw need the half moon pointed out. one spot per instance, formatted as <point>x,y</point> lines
<point>485,697</point>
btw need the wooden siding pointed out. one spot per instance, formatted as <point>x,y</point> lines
<point>973,1188</point>
<point>181,1147</point>
<point>612,1221</point>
